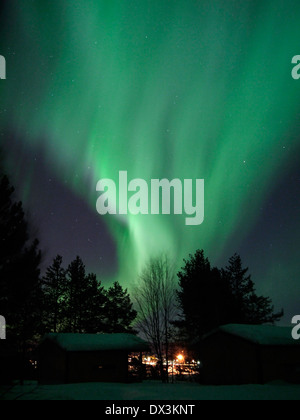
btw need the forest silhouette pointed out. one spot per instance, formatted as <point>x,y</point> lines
<point>166,307</point>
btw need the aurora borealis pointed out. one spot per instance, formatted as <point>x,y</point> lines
<point>162,89</point>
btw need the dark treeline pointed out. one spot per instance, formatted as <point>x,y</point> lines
<point>20,283</point>
<point>210,297</point>
<point>63,300</point>
<point>171,308</point>
<point>205,298</point>
<point>75,301</point>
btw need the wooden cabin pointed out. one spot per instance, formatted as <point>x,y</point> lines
<point>250,354</point>
<point>76,358</point>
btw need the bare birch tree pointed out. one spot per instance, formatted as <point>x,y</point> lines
<point>155,297</point>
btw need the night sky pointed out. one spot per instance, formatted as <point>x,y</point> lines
<point>161,89</point>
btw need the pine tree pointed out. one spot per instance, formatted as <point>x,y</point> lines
<point>94,320</point>
<point>241,286</point>
<point>55,287</point>
<point>247,307</point>
<point>76,283</point>
<point>85,301</point>
<point>203,296</point>
<point>119,310</point>
<point>209,297</point>
<point>20,284</point>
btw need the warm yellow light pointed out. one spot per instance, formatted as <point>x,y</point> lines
<point>180,357</point>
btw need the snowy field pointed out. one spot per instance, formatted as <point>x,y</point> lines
<point>150,391</point>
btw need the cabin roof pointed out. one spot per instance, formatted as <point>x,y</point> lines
<point>97,342</point>
<point>265,335</point>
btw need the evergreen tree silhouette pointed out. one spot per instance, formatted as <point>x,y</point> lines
<point>203,296</point>
<point>209,297</point>
<point>247,307</point>
<point>119,310</point>
<point>20,284</point>
<point>55,288</point>
<point>94,319</point>
<point>75,299</point>
<point>84,302</point>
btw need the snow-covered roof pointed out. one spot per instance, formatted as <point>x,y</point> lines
<point>98,342</point>
<point>266,335</point>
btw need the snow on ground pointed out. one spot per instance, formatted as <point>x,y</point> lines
<point>150,390</point>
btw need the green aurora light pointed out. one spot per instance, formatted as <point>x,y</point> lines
<point>175,89</point>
